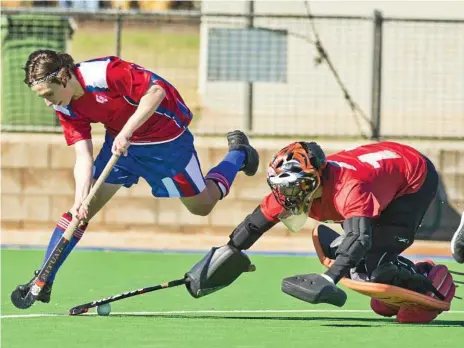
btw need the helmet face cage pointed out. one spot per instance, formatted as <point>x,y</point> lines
<point>294,174</point>
<point>294,195</point>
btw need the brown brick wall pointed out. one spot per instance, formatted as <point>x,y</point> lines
<point>38,185</point>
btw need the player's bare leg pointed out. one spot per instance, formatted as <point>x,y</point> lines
<point>204,202</point>
<point>241,157</point>
<point>104,194</point>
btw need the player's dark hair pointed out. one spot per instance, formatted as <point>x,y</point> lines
<point>48,66</point>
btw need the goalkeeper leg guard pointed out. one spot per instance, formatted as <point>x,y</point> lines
<point>443,282</point>
<point>383,309</point>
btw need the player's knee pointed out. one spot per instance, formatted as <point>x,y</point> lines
<point>200,209</point>
<point>66,219</point>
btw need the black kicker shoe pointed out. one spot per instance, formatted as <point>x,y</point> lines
<point>44,295</point>
<point>457,243</point>
<point>239,141</point>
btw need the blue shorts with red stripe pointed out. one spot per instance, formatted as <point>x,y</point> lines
<point>172,169</point>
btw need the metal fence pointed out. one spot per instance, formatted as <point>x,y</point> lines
<point>405,74</point>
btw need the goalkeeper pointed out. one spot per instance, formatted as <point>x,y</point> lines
<point>379,193</point>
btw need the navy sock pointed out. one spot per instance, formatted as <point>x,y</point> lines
<point>57,233</point>
<point>225,172</point>
<point>72,243</point>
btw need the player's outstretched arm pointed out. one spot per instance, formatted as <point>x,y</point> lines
<point>250,230</point>
<point>148,104</point>
<point>82,176</point>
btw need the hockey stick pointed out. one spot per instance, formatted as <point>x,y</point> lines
<point>49,265</point>
<point>84,308</point>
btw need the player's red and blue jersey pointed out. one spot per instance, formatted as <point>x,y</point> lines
<point>113,88</point>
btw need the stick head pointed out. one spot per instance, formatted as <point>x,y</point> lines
<point>78,310</point>
<point>22,302</point>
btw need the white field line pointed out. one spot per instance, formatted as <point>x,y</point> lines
<point>238,311</point>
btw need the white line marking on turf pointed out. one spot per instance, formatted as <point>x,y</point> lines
<point>238,311</point>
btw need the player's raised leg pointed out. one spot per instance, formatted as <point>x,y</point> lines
<point>172,169</point>
<point>241,157</point>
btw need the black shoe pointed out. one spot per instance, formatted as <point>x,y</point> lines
<point>239,141</point>
<point>457,243</point>
<point>44,295</point>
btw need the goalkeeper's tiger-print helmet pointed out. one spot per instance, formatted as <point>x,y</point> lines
<point>294,173</point>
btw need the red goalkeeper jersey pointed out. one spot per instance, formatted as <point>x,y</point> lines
<point>362,182</point>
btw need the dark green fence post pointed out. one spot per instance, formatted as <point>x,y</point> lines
<point>377,75</point>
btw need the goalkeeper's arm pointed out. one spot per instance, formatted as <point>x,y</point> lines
<point>250,230</point>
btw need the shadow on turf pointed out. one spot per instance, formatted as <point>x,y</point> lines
<point>373,321</point>
<point>350,325</point>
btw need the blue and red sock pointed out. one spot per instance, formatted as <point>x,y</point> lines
<point>225,172</point>
<point>56,235</point>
